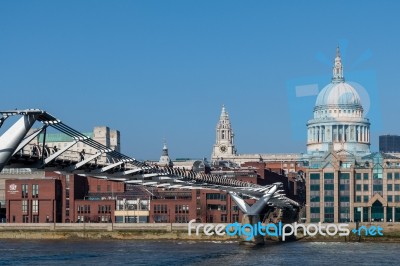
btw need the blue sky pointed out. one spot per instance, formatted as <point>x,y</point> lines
<point>163,69</point>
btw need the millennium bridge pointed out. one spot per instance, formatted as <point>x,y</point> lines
<point>17,150</point>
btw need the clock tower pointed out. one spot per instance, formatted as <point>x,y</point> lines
<point>224,147</point>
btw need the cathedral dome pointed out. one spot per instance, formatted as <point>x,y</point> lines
<point>338,122</point>
<point>338,94</point>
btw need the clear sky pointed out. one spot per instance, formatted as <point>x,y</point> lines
<point>163,69</point>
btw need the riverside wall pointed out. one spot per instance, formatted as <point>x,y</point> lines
<point>159,231</point>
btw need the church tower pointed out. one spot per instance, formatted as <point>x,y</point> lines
<point>164,159</point>
<point>224,147</point>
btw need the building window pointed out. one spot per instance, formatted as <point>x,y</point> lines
<point>358,176</point>
<point>24,206</point>
<point>35,218</point>
<point>314,187</point>
<point>390,198</point>
<point>25,219</point>
<point>235,217</point>
<point>397,187</point>
<point>358,198</point>
<point>35,206</point>
<point>366,187</point>
<point>358,187</point>
<point>314,198</point>
<point>344,199</point>
<point>389,187</point>
<point>35,191</point>
<point>328,199</point>
<point>224,218</point>
<point>98,188</point>
<point>378,188</point>
<point>396,175</point>
<point>365,199</point>
<point>344,176</point>
<point>108,188</point>
<point>365,176</point>
<point>397,198</point>
<point>315,210</point>
<point>24,190</point>
<point>389,175</point>
<point>314,176</point>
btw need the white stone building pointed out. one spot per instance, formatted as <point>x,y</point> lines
<point>338,118</point>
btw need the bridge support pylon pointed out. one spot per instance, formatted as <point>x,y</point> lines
<point>11,139</point>
<point>253,214</point>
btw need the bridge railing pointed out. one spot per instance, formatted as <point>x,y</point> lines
<point>33,150</point>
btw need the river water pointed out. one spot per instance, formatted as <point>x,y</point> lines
<point>137,252</point>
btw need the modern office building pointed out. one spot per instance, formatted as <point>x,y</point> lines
<point>389,143</point>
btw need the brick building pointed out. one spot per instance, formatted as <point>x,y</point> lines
<point>33,200</point>
<point>56,197</point>
<point>205,205</point>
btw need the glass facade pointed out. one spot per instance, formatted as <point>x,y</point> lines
<point>345,196</point>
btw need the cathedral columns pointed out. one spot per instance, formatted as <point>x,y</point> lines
<point>364,138</point>
<point>343,133</point>
<point>320,134</point>
<point>362,134</point>
<point>315,134</point>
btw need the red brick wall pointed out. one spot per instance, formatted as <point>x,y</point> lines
<point>48,196</point>
<point>88,211</point>
<point>97,185</point>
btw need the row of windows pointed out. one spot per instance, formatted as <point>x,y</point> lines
<point>25,191</point>
<point>104,209</point>
<point>365,199</point>
<point>160,208</point>
<point>25,219</point>
<point>378,187</point>
<point>181,208</point>
<point>181,218</point>
<point>365,176</point>
<point>396,198</point>
<point>217,207</point>
<point>35,206</point>
<point>99,219</point>
<point>390,175</point>
<point>216,196</point>
<point>84,209</point>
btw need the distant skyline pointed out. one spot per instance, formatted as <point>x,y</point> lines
<point>159,70</point>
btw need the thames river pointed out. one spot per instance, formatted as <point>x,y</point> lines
<point>135,252</point>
